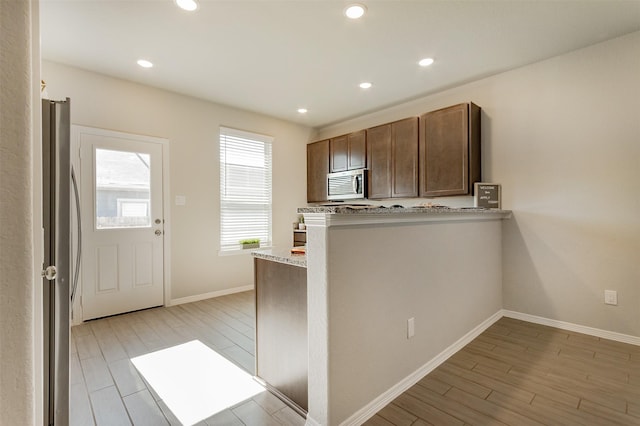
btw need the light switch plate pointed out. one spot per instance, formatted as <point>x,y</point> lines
<point>610,297</point>
<point>181,200</point>
<point>411,328</point>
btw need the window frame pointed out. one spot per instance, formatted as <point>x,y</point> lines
<point>226,135</point>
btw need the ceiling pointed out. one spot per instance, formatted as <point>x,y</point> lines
<point>273,57</point>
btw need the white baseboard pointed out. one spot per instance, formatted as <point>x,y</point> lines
<point>611,335</point>
<point>381,401</point>
<point>209,295</point>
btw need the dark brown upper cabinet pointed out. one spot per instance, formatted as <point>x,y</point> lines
<point>450,150</point>
<point>317,169</point>
<point>348,152</point>
<point>392,158</point>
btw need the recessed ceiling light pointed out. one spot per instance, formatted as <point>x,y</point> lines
<point>144,63</point>
<point>302,110</point>
<point>355,11</point>
<point>425,62</point>
<point>189,5</point>
<point>365,85</point>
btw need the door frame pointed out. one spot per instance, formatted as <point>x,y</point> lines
<point>76,133</point>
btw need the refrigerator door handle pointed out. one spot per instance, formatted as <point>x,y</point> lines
<point>79,251</point>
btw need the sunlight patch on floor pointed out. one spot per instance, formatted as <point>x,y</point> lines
<point>194,381</point>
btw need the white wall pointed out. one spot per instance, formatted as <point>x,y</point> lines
<point>192,127</point>
<point>563,138</point>
<point>20,338</point>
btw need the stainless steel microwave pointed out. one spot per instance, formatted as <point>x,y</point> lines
<point>348,185</point>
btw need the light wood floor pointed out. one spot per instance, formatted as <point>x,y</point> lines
<point>106,389</point>
<point>515,373</point>
<point>519,373</point>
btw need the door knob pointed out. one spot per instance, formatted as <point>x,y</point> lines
<point>158,221</point>
<point>158,232</point>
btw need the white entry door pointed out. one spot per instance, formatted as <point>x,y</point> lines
<point>122,222</point>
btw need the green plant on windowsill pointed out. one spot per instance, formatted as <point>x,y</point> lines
<point>249,243</point>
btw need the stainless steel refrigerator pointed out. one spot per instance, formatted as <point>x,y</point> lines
<point>60,272</point>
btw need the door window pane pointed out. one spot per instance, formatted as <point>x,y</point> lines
<point>123,182</point>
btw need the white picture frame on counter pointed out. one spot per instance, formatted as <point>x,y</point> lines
<point>487,195</point>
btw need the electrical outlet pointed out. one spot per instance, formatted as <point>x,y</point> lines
<point>411,328</point>
<point>610,297</point>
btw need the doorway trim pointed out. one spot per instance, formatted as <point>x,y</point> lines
<point>76,132</point>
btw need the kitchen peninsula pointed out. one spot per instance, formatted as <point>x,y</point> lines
<point>370,273</point>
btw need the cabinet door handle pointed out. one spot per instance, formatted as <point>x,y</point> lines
<point>50,273</point>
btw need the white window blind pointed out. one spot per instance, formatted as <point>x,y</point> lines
<point>245,188</point>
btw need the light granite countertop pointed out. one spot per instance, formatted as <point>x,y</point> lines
<point>281,256</point>
<point>371,215</point>
<point>362,209</point>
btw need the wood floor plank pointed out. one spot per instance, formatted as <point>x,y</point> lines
<point>460,411</point>
<point>111,348</point>
<point>169,336</point>
<point>80,413</point>
<point>627,391</point>
<point>490,383</point>
<point>143,410</point>
<point>587,390</point>
<point>205,329</point>
<point>565,414</point>
<point>434,384</point>
<point>421,422</point>
<point>531,342</point>
<point>149,337</point>
<point>397,416</point>
<point>503,342</point>
<point>633,409</point>
<point>252,414</point>
<point>464,360</point>
<point>240,357</point>
<point>130,341</point>
<point>378,420</point>
<point>607,413</point>
<point>490,358</point>
<point>96,373</point>
<point>460,382</point>
<point>269,402</point>
<point>425,411</point>
<point>81,330</point>
<point>535,387</point>
<point>506,415</point>
<point>224,329</point>
<point>543,416</point>
<point>126,377</point>
<point>87,346</point>
<point>75,370</point>
<point>224,418</point>
<point>108,408</point>
<point>168,414</point>
<point>288,417</point>
<point>216,309</point>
